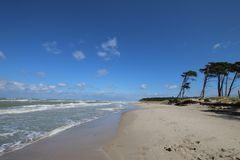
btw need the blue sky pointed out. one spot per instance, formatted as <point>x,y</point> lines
<point>112,49</point>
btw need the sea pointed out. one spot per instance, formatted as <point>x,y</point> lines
<point>24,121</point>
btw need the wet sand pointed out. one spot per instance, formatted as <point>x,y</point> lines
<point>176,133</point>
<point>79,143</point>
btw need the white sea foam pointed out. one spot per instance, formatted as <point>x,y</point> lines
<point>70,125</point>
<point>27,128</point>
<point>32,136</point>
<point>44,107</point>
<point>120,107</point>
<point>106,109</point>
<point>8,134</point>
<point>15,100</point>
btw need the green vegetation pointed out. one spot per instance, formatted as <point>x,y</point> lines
<point>225,75</point>
<point>211,101</point>
<point>171,100</point>
<point>157,98</point>
<point>187,76</point>
<point>152,99</point>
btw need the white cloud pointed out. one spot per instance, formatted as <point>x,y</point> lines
<point>2,84</point>
<point>102,72</point>
<point>81,85</point>
<point>18,86</point>
<point>109,49</point>
<point>102,54</point>
<point>40,87</point>
<point>216,46</point>
<point>143,86</point>
<point>11,85</point>
<point>41,74</point>
<point>2,55</point>
<point>51,87</point>
<point>51,47</point>
<point>61,84</point>
<point>79,55</point>
<point>171,86</point>
<point>111,43</point>
<point>223,45</point>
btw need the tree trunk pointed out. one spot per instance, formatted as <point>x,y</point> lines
<point>239,93</point>
<point>226,85</point>
<point>181,90</point>
<point>204,86</point>
<point>230,88</point>
<point>183,93</point>
<point>180,93</point>
<point>219,86</point>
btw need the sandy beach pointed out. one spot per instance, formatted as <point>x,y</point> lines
<point>169,132</point>
<point>120,80</point>
<point>152,132</point>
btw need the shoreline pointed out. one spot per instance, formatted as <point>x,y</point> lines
<point>51,134</point>
<point>153,131</point>
<point>80,142</point>
<point>160,131</point>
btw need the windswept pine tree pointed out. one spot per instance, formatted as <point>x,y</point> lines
<point>235,68</point>
<point>220,70</point>
<point>187,76</point>
<point>207,76</point>
<point>223,72</point>
<point>228,67</point>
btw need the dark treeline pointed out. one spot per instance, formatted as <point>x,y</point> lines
<point>159,99</point>
<point>226,75</point>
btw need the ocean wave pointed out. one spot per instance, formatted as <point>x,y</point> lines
<point>7,134</point>
<point>111,109</point>
<point>30,137</point>
<point>70,125</point>
<point>14,100</point>
<point>44,107</point>
<point>18,131</point>
<point>33,136</point>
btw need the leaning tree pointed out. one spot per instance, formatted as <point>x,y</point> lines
<point>187,76</point>
<point>220,70</point>
<point>225,73</point>
<point>235,68</point>
<point>207,76</point>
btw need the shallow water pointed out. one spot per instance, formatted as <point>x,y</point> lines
<point>22,125</point>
